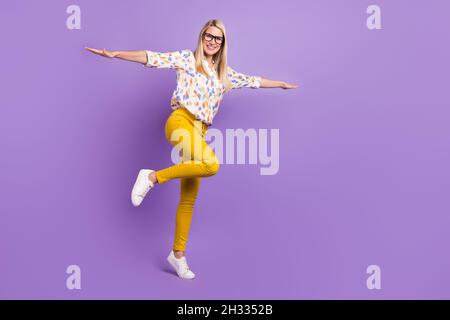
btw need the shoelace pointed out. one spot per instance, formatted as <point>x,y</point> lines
<point>183,265</point>
<point>146,189</point>
<point>144,192</point>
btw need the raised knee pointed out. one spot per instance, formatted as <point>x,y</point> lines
<point>212,168</point>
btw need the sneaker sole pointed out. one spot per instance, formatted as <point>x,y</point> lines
<point>175,269</point>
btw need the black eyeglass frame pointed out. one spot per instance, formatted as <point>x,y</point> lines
<point>215,38</point>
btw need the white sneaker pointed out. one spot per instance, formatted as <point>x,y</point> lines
<point>141,187</point>
<point>181,267</point>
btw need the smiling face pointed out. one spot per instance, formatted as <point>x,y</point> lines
<point>212,40</point>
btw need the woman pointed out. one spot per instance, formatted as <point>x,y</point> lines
<point>203,77</point>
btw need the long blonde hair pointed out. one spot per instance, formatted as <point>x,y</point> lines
<point>220,58</point>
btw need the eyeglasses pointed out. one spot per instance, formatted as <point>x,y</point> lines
<point>210,37</point>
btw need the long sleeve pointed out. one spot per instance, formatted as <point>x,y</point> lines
<point>168,60</point>
<point>240,80</point>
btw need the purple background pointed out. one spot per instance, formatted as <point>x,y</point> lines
<point>364,152</point>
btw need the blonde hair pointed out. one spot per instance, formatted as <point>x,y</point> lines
<point>220,58</point>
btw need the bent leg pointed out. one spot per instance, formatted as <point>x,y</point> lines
<point>199,159</point>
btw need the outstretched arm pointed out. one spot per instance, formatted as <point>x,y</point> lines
<point>139,56</point>
<point>240,80</point>
<point>151,59</point>
<point>267,83</point>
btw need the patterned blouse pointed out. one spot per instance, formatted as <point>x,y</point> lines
<point>199,94</point>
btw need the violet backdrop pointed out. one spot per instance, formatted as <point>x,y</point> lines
<point>364,152</point>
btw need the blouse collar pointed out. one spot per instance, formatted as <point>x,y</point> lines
<point>209,70</point>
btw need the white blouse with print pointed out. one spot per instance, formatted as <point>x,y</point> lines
<point>199,94</point>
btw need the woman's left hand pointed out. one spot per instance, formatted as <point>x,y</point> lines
<point>286,85</point>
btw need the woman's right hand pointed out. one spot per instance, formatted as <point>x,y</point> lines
<point>104,52</point>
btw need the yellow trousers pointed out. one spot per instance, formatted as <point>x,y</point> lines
<point>198,160</point>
